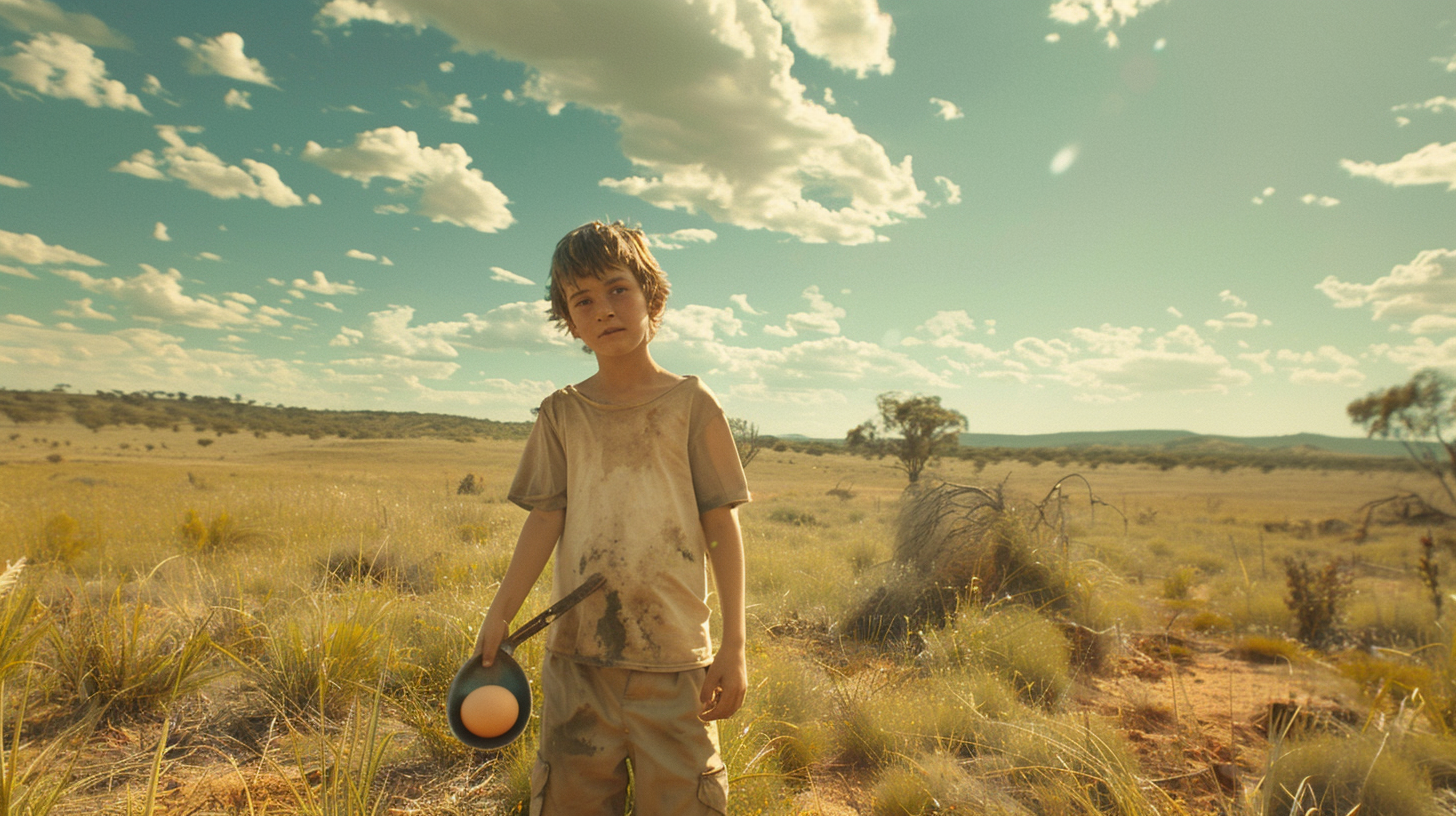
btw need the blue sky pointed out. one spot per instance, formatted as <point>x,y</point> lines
<point>1226,216</point>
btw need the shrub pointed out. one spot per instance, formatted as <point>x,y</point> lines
<point>1335,775</point>
<point>60,541</point>
<point>798,518</point>
<point>317,660</point>
<point>223,532</point>
<point>120,658</point>
<point>1177,583</point>
<point>1025,649</point>
<point>1317,600</point>
<point>381,566</point>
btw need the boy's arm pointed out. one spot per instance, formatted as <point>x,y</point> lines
<point>727,679</point>
<point>533,549</point>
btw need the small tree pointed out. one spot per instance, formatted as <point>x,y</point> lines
<point>913,429</point>
<point>1418,413</point>
<point>745,436</point>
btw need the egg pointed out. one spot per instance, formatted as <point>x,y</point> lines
<point>489,711</point>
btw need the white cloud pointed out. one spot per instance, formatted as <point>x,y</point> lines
<point>224,55</point>
<point>947,330</point>
<point>1328,365</point>
<point>1065,158</point>
<point>1264,196</point>
<point>447,67</point>
<point>829,97</point>
<point>696,322</point>
<point>35,16</point>
<point>1053,37</point>
<point>459,111</point>
<point>159,232</point>
<point>1425,286</point>
<point>1125,363</point>
<point>157,296</point>
<point>520,325</point>
<point>17,271</point>
<point>1173,310</point>
<point>57,65</point>
<point>1432,164</point>
<point>950,188</point>
<point>22,320</point>
<point>360,255</point>
<point>30,249</point>
<point>678,239</point>
<point>1321,201</point>
<point>450,190</point>
<point>208,256</point>
<point>321,285</point>
<point>947,110</point>
<point>1233,320</point>
<point>329,306</point>
<point>507,276</point>
<point>1227,296</point>
<point>235,98</point>
<point>741,301</point>
<point>1106,12</point>
<point>202,170</point>
<point>82,310</point>
<point>851,35</point>
<point>717,124</point>
<point>822,316</point>
<point>1435,105</point>
<point>15,183</point>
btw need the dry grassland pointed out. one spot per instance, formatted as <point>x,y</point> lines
<point>267,625</point>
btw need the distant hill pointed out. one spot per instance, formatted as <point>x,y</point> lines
<point>1186,440</point>
<point>221,415</point>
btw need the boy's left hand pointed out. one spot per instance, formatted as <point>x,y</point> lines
<point>725,685</point>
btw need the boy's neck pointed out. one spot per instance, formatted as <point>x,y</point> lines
<point>627,379</point>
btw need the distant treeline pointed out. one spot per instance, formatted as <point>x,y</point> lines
<point>1215,456</point>
<point>223,415</point>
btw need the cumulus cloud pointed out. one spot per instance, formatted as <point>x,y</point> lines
<point>1432,164</point>
<point>1327,365</point>
<point>951,190</point>
<point>1064,159</point>
<point>319,284</point>
<point>822,316</point>
<point>851,35</point>
<point>14,183</point>
<point>449,189</point>
<point>1435,104</point>
<point>223,55</point>
<point>159,232</point>
<point>1319,201</point>
<point>459,111</point>
<point>1107,13</point>
<point>947,110</point>
<point>37,16</point>
<point>30,249</point>
<point>1233,320</point>
<point>696,322</point>
<point>678,239</point>
<point>1264,196</point>
<point>1420,291</point>
<point>17,271</point>
<point>82,310</point>
<point>507,276</point>
<point>157,296</point>
<point>59,66</point>
<point>235,98</point>
<point>706,105</point>
<point>947,330</point>
<point>1124,362</point>
<point>1227,296</point>
<point>200,169</point>
<point>22,320</point>
<point>741,301</point>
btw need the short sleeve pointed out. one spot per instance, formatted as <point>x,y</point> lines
<point>718,479</point>
<point>540,482</point>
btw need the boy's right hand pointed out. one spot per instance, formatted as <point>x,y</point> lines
<point>488,641</point>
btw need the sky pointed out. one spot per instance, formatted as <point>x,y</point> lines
<point>1222,216</point>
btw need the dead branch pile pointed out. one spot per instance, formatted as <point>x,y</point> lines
<point>953,543</point>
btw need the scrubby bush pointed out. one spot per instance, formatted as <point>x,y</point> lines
<point>1338,775</point>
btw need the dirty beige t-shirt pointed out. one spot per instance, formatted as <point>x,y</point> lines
<point>633,480</point>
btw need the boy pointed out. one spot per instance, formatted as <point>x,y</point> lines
<point>635,472</point>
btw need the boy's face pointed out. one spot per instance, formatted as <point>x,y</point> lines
<point>609,314</point>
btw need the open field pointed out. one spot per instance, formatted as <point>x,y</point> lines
<point>267,625</point>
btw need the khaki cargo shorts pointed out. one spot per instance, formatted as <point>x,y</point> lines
<point>595,720</point>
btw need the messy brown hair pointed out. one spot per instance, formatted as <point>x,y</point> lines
<point>590,251</point>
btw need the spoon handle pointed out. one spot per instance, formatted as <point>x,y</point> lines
<point>555,611</point>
